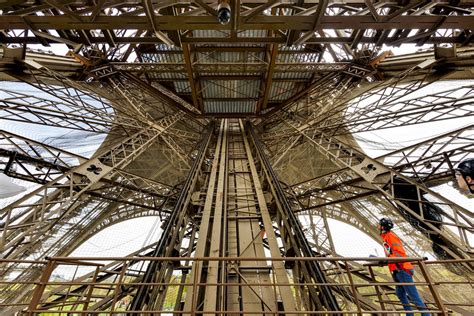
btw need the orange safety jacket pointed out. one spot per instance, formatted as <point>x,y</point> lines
<point>393,248</point>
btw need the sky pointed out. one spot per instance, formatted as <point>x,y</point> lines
<point>8,188</point>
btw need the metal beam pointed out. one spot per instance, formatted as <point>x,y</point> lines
<point>195,90</point>
<point>43,216</point>
<point>150,15</point>
<point>272,56</point>
<point>176,220</point>
<point>319,14</point>
<point>381,177</point>
<point>314,270</point>
<point>168,23</point>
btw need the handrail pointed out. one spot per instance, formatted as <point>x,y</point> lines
<point>93,289</point>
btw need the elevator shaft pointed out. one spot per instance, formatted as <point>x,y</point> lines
<point>235,222</point>
<point>227,221</point>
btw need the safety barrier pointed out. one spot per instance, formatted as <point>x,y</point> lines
<point>105,286</point>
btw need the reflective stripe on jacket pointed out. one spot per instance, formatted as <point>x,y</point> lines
<point>393,248</point>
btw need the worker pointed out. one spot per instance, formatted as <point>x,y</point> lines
<point>465,176</point>
<point>402,272</point>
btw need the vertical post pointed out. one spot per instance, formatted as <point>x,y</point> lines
<point>377,290</point>
<point>431,285</point>
<point>119,283</point>
<point>3,240</point>
<point>40,287</point>
<point>91,287</point>
<point>353,289</point>
<point>328,231</point>
<point>195,282</point>
<point>179,296</point>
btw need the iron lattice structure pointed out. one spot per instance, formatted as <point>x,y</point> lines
<point>241,137</point>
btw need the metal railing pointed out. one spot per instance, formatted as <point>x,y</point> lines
<point>107,288</point>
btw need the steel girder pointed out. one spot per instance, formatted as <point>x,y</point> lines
<point>32,161</point>
<point>388,104</point>
<point>92,106</point>
<point>139,110</point>
<point>429,162</point>
<point>147,28</point>
<point>292,226</point>
<point>112,73</point>
<point>171,237</point>
<point>115,212</point>
<point>26,108</point>
<point>72,16</point>
<point>239,67</point>
<point>377,176</point>
<point>50,211</point>
<point>390,99</point>
<point>53,93</point>
<point>58,101</point>
<point>52,217</point>
<point>48,161</point>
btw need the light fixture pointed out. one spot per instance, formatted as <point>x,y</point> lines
<point>223,11</point>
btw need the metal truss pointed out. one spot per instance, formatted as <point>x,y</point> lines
<point>47,162</point>
<point>343,272</point>
<point>282,45</point>
<point>97,102</point>
<point>57,200</point>
<point>311,101</point>
<point>398,105</point>
<point>30,160</point>
<point>58,101</point>
<point>388,104</point>
<point>93,114</point>
<point>309,76</point>
<point>175,217</point>
<point>62,213</point>
<point>26,108</point>
<point>432,160</point>
<point>173,233</point>
<point>429,162</point>
<point>129,88</point>
<point>283,16</point>
<point>118,78</point>
<point>374,175</point>
<point>314,227</point>
<point>346,198</point>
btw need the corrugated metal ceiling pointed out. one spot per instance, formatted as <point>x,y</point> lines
<point>230,88</point>
<point>229,107</point>
<point>239,95</point>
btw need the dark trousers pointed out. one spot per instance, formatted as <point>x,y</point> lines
<point>408,293</point>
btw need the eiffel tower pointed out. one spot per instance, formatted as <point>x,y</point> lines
<point>239,124</point>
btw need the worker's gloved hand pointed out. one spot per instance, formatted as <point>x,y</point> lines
<point>382,262</point>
